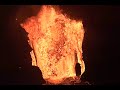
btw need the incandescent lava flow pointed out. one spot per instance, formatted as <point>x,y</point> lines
<point>55,39</point>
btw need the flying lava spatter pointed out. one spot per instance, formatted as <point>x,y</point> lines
<point>54,39</point>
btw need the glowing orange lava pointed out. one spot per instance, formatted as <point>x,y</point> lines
<point>54,39</point>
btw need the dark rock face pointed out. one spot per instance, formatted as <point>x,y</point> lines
<point>78,69</point>
<point>22,76</point>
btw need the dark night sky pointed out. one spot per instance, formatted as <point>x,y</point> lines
<point>100,46</point>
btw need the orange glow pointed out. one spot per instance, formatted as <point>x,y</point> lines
<point>54,39</point>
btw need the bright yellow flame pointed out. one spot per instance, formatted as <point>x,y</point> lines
<point>54,39</point>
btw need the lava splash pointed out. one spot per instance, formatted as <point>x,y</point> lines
<point>54,39</point>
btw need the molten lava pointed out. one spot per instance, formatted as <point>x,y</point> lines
<point>55,39</point>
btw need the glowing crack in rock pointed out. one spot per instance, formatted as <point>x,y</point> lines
<point>54,39</point>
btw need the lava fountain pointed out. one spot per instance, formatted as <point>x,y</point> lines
<point>54,39</point>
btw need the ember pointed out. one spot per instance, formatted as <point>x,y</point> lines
<point>55,40</point>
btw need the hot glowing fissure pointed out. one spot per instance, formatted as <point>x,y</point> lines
<point>54,39</point>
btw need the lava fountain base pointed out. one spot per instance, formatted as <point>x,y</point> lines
<point>70,81</point>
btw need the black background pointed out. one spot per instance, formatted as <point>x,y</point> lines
<point>100,45</point>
